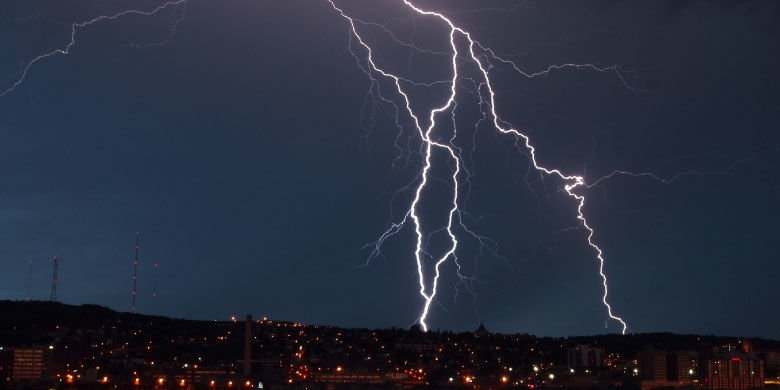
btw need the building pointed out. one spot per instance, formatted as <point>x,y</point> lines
<point>772,363</point>
<point>681,366</point>
<point>583,356</point>
<point>481,331</point>
<point>652,365</point>
<point>661,369</point>
<point>28,363</point>
<point>735,373</point>
<point>6,363</point>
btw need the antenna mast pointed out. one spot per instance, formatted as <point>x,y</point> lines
<point>135,267</point>
<point>29,282</point>
<point>56,266</point>
<point>154,288</point>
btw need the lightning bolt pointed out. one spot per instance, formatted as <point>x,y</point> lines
<point>21,75</point>
<point>677,176</point>
<point>571,182</point>
<point>475,53</point>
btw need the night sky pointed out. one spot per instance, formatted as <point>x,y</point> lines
<point>250,155</point>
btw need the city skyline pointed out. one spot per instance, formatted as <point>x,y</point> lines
<point>65,346</point>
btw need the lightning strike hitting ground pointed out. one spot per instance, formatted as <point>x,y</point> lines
<point>75,27</point>
<point>572,182</point>
<point>425,128</point>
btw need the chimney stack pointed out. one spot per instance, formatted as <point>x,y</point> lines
<point>248,346</point>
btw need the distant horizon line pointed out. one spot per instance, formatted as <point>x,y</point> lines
<point>238,319</point>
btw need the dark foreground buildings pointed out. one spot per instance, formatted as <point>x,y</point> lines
<point>54,346</point>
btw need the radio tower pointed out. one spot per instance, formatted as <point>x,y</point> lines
<point>154,287</point>
<point>135,267</point>
<point>29,282</point>
<point>53,296</point>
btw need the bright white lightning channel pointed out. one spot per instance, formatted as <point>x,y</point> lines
<point>572,182</point>
<point>428,292</point>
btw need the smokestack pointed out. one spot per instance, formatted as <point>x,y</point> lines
<point>248,346</point>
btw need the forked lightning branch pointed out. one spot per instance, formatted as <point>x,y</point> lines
<point>428,128</point>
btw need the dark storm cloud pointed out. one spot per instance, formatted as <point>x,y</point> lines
<point>237,151</point>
